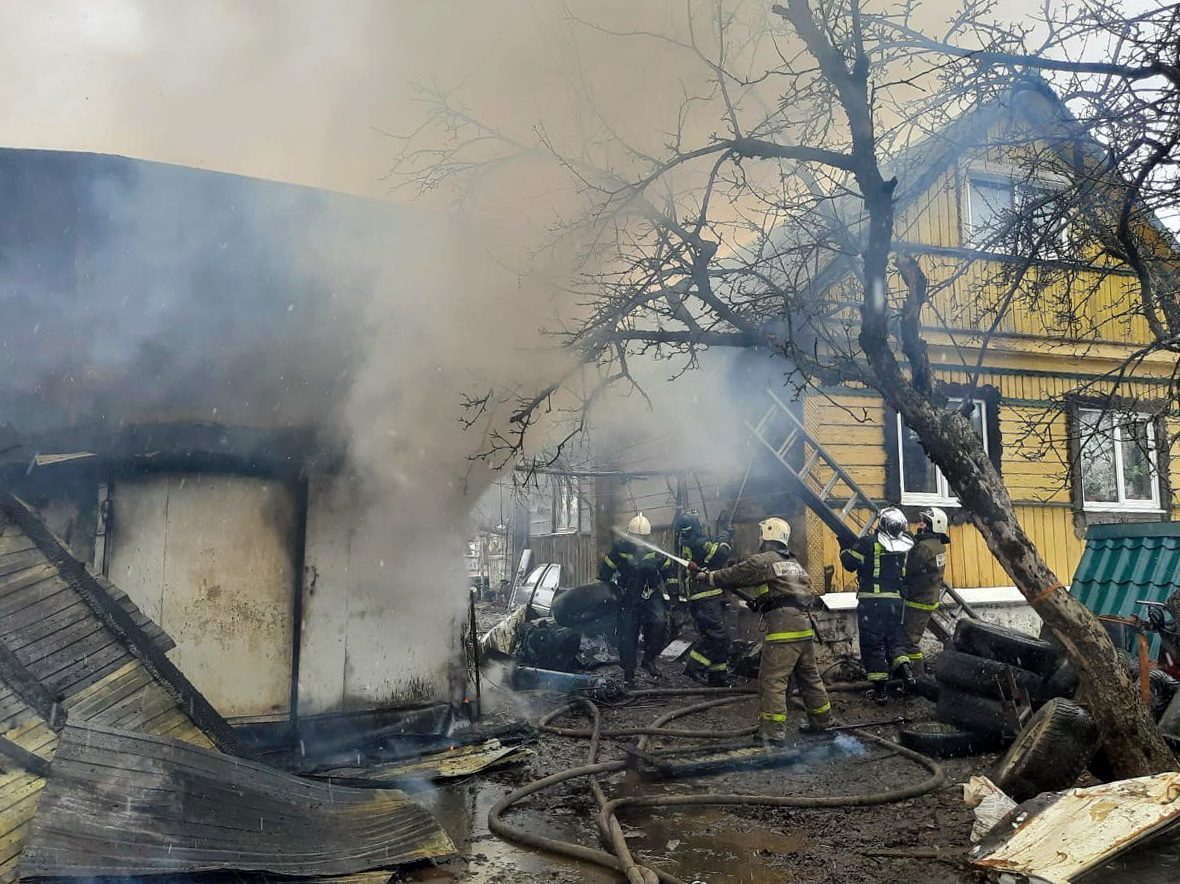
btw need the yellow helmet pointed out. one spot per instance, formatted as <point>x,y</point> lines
<point>775,530</point>
<point>639,526</point>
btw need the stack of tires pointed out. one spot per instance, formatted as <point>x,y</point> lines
<point>979,662</point>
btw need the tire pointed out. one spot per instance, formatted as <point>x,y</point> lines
<point>1061,682</point>
<point>979,675</point>
<point>587,608</point>
<point>972,712</point>
<point>994,642</point>
<point>926,687</point>
<point>1050,752</point>
<point>1169,722</point>
<point>1163,686</point>
<point>940,740</point>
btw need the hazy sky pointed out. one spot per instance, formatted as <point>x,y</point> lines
<point>297,90</point>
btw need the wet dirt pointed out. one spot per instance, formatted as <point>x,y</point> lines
<point>752,845</point>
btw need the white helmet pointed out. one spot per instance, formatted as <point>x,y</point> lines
<point>892,521</point>
<point>639,526</point>
<point>936,519</point>
<point>774,530</point>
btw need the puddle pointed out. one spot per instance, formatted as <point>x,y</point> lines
<point>701,844</point>
<point>462,809</point>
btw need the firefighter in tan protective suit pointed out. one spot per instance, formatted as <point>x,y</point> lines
<point>921,585</point>
<point>779,589</point>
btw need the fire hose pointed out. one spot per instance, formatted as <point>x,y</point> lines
<point>609,828</point>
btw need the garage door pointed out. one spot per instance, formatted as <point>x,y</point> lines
<point>211,559</point>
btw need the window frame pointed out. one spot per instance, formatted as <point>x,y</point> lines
<point>1013,246</point>
<point>1122,505</point>
<point>923,498</point>
<point>567,491</point>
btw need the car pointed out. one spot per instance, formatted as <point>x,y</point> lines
<point>538,589</point>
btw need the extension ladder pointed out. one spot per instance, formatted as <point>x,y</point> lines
<point>825,486</point>
<point>833,495</point>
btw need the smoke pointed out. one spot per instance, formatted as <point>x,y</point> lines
<point>181,297</point>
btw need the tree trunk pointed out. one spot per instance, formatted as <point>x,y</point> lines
<point>1133,741</point>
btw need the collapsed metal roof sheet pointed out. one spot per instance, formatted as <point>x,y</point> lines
<point>1125,563</point>
<point>122,803</point>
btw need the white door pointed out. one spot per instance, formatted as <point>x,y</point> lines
<point>211,559</point>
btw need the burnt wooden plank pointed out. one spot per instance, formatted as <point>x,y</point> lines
<point>14,540</point>
<point>14,717</point>
<point>173,723</point>
<point>13,752</point>
<point>13,710</point>
<point>74,638</point>
<point>18,561</point>
<point>22,634</point>
<point>128,679</point>
<point>19,799</point>
<point>10,583</point>
<point>85,670</point>
<point>137,711</point>
<point>129,633</point>
<point>20,814</point>
<point>14,777</point>
<point>34,601</point>
<point>236,814</point>
<point>180,728</point>
<point>161,638</point>
<point>23,682</point>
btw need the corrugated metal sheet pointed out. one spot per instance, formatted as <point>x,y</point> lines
<point>121,803</point>
<point>1123,564</point>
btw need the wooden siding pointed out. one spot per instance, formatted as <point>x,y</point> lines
<point>1051,301</point>
<point>1034,466</point>
<point>576,553</point>
<point>54,639</point>
<point>969,561</point>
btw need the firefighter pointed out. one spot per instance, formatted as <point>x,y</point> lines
<point>708,660</point>
<point>637,576</point>
<point>781,593</point>
<point>922,584</point>
<point>879,561</point>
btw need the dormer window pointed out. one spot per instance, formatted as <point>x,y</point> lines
<point>1014,218</point>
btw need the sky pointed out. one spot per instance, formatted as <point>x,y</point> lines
<point>306,91</point>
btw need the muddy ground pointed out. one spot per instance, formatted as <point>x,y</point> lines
<point>719,844</point>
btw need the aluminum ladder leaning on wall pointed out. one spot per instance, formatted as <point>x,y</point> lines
<point>833,495</point>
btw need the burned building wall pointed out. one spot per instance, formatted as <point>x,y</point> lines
<point>210,558</point>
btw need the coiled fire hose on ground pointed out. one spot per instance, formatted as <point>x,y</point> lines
<point>611,831</point>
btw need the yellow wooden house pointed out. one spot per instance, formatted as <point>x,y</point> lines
<point>1073,447</point>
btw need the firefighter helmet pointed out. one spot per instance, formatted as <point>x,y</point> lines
<point>639,526</point>
<point>892,521</point>
<point>935,518</point>
<point>775,530</point>
<point>688,523</point>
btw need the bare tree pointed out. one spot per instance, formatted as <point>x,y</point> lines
<point>773,225</point>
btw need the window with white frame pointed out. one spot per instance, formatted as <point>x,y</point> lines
<point>1118,461</point>
<point>566,505</point>
<point>922,483</point>
<point>1014,217</point>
